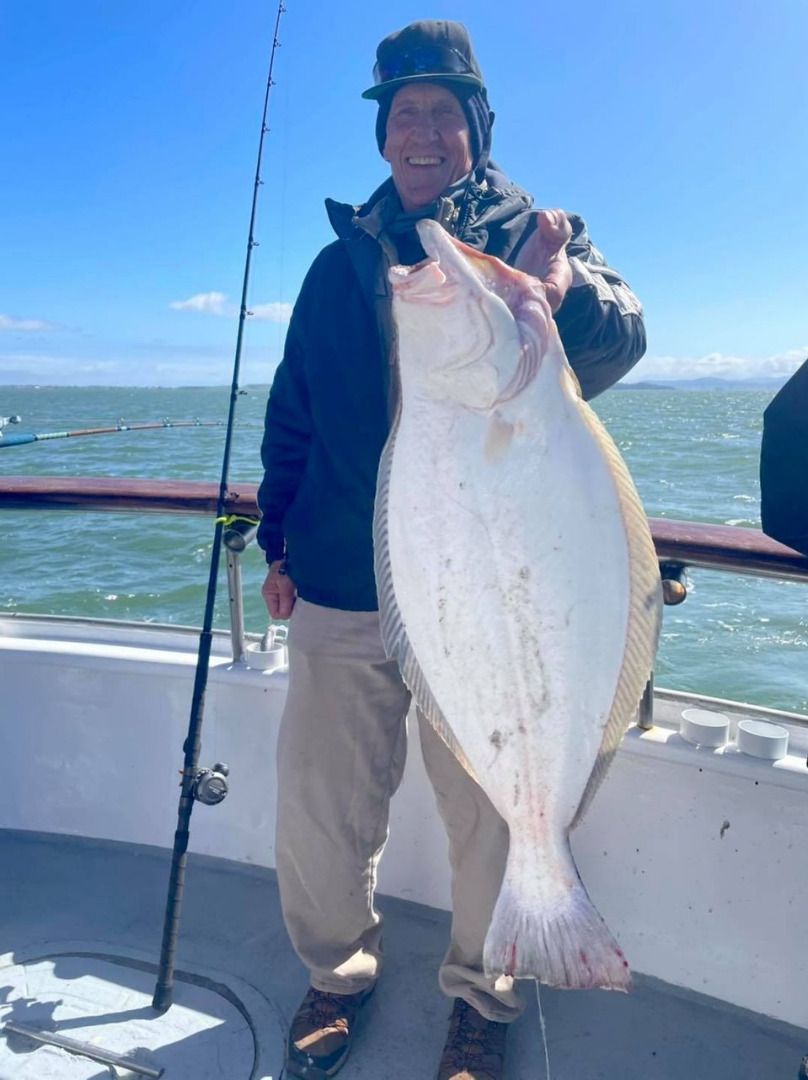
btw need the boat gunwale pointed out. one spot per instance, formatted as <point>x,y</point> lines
<point>708,546</point>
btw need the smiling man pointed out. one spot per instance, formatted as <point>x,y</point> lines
<point>428,143</point>
<point>342,742</point>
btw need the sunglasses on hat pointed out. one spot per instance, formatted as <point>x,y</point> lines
<point>423,62</point>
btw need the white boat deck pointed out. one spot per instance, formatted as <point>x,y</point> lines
<point>80,901</point>
<point>692,855</point>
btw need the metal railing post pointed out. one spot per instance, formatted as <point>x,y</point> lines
<point>234,589</point>
<point>238,534</point>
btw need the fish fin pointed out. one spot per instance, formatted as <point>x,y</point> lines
<point>394,634</point>
<point>569,948</point>
<point>498,438</point>
<point>644,612</point>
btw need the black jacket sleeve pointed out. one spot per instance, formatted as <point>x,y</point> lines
<point>784,464</point>
<point>287,437</point>
<point>600,321</point>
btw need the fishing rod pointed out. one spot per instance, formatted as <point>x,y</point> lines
<point>25,438</point>
<point>208,785</point>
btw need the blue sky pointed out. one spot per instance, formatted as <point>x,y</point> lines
<point>676,128</point>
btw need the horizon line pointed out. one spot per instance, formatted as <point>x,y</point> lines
<point>253,385</point>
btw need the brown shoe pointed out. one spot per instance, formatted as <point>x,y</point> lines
<point>320,1034</point>
<point>475,1047</point>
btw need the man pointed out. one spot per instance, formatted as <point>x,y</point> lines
<point>342,742</point>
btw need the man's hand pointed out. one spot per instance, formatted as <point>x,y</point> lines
<point>544,255</point>
<point>279,591</point>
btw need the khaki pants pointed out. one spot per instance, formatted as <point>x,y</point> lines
<point>341,753</point>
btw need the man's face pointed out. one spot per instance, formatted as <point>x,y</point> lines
<point>428,143</point>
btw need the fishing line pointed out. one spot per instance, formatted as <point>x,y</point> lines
<point>191,773</point>
<point>543,1033</point>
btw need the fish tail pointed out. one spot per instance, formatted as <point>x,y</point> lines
<point>568,947</point>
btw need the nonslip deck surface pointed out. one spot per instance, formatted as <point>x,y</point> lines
<point>97,907</point>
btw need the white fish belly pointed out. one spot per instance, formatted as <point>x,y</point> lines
<point>512,581</point>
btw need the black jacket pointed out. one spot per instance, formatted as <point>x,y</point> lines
<point>327,415</point>
<point>784,464</point>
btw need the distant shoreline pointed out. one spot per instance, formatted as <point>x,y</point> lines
<point>225,387</point>
<point>733,385</point>
<point>707,383</point>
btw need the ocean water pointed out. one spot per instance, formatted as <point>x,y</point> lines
<point>693,455</point>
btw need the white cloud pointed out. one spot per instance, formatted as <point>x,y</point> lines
<point>8,322</point>
<point>216,303</point>
<point>162,365</point>
<point>211,303</point>
<point>274,312</point>
<point>717,365</point>
<point>28,368</point>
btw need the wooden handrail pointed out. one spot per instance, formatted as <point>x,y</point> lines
<point>726,547</point>
<point>713,547</point>
<point>115,494</point>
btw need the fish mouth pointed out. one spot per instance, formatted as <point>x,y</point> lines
<point>458,259</point>
<point>464,263</point>
<point>449,264</point>
<point>407,271</point>
<point>422,282</point>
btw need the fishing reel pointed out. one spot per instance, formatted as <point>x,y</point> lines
<point>211,785</point>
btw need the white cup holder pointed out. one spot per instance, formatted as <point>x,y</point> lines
<point>704,728</point>
<point>272,658</point>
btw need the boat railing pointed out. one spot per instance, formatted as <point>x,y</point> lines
<point>680,545</point>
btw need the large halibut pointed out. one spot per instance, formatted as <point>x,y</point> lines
<point>518,584</point>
